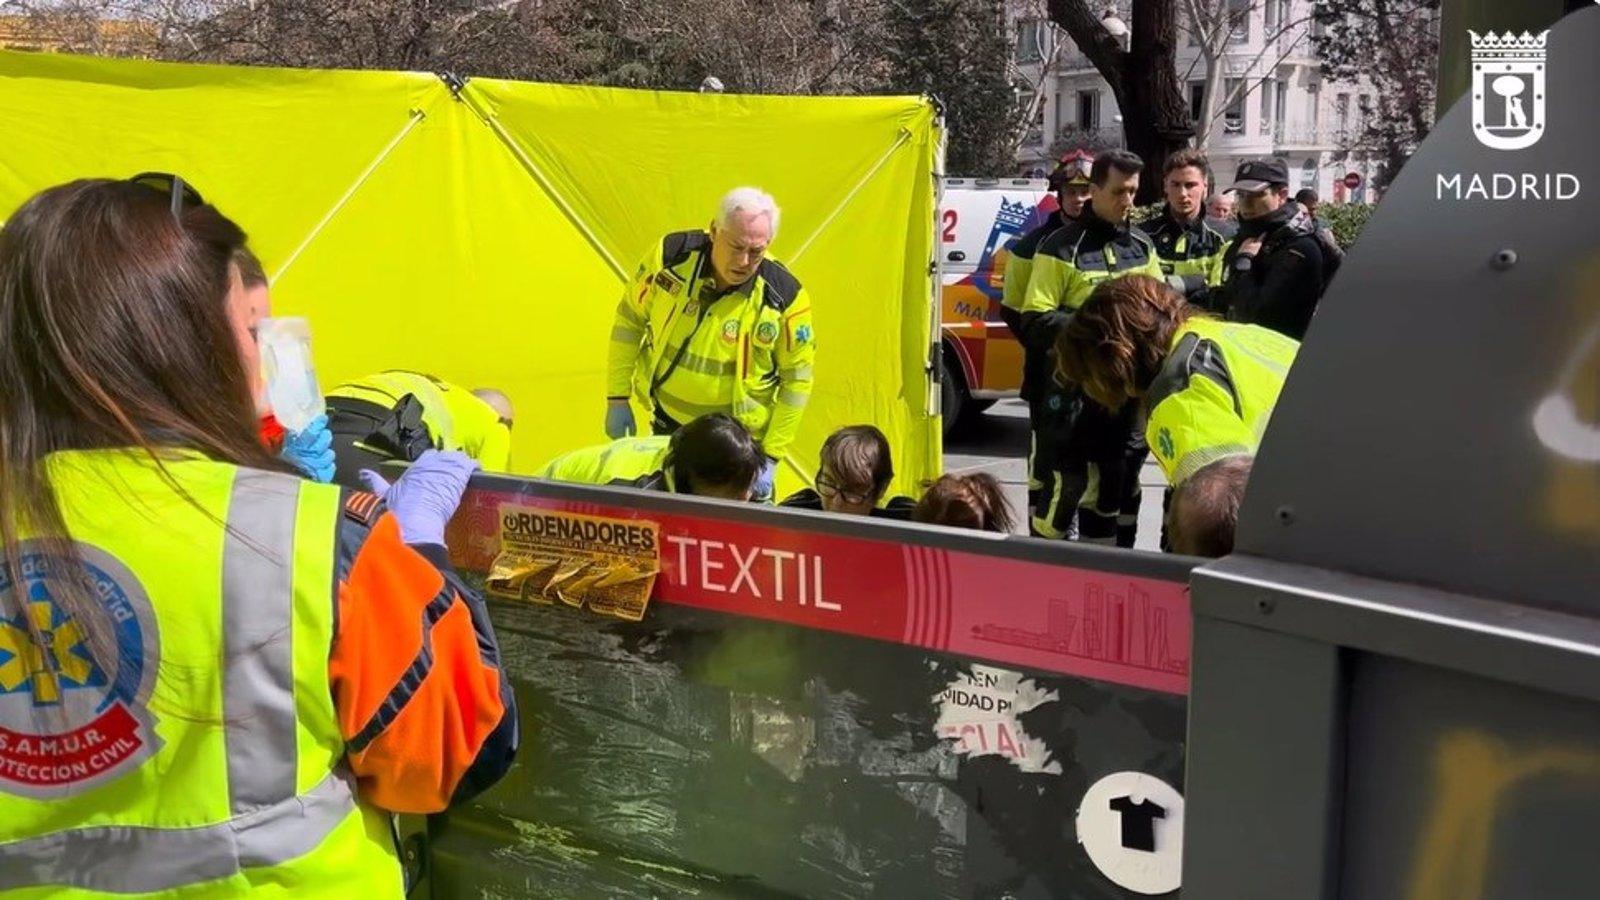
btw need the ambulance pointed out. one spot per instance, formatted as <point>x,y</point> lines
<point>978,219</point>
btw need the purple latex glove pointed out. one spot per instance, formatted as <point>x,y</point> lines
<point>426,496</point>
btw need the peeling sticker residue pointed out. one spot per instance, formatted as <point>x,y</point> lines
<point>554,839</point>
<point>978,711</point>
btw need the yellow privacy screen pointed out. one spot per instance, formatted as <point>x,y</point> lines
<point>483,234</point>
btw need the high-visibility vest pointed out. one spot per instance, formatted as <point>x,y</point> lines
<point>206,755</point>
<point>1077,257</point>
<point>633,462</point>
<point>680,345</point>
<point>1215,393</point>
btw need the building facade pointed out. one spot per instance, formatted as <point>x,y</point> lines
<point>1282,106</point>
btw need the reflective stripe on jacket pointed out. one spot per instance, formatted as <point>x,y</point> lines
<point>680,344</point>
<point>1214,394</point>
<point>212,754</point>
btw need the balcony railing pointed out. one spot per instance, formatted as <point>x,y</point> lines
<point>1305,134</point>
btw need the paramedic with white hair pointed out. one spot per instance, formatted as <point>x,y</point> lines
<point>710,324</point>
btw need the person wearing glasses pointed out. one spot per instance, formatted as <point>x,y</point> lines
<point>854,477</point>
<point>399,415</point>
<point>712,456</point>
<point>710,323</point>
<point>220,677</point>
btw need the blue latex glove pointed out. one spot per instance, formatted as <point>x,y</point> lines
<point>619,419</point>
<point>764,480</point>
<point>311,450</point>
<point>426,496</point>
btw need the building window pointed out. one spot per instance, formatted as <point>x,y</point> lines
<point>1268,87</point>
<point>1239,21</point>
<point>1197,100</point>
<point>1233,119</point>
<point>1061,112</point>
<point>1272,15</point>
<point>1030,43</point>
<point>1088,110</point>
<point>1341,113</point>
<point>1314,104</point>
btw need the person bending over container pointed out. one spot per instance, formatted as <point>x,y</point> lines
<point>854,477</point>
<point>710,323</point>
<point>1205,509</point>
<point>398,415</point>
<point>965,501</point>
<point>1208,387</point>
<point>227,677</point>
<point>712,456</point>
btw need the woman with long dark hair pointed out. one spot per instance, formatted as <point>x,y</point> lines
<point>213,674</point>
<point>1207,387</point>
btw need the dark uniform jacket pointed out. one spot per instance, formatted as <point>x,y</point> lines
<point>1035,367</point>
<point>1280,286</point>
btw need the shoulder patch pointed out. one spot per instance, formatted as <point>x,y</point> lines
<point>362,507</point>
<point>781,286</point>
<point>680,245</point>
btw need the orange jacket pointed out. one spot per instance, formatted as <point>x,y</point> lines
<point>427,716</point>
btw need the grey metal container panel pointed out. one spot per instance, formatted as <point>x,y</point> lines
<point>1396,682</point>
<point>1404,446</point>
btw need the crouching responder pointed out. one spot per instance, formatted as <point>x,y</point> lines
<point>710,324</point>
<point>221,677</point>
<point>712,456</point>
<point>398,414</point>
<point>1208,387</point>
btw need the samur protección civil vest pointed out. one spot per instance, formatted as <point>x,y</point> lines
<point>1214,393</point>
<point>204,759</point>
<point>684,347</point>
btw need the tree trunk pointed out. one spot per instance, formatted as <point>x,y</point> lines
<point>1143,78</point>
<point>1159,124</point>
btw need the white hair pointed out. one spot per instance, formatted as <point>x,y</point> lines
<point>750,200</point>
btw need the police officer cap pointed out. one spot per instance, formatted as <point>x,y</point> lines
<point>1260,174</point>
<point>1072,169</point>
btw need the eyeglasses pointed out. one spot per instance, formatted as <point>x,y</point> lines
<point>181,192</point>
<point>826,485</point>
